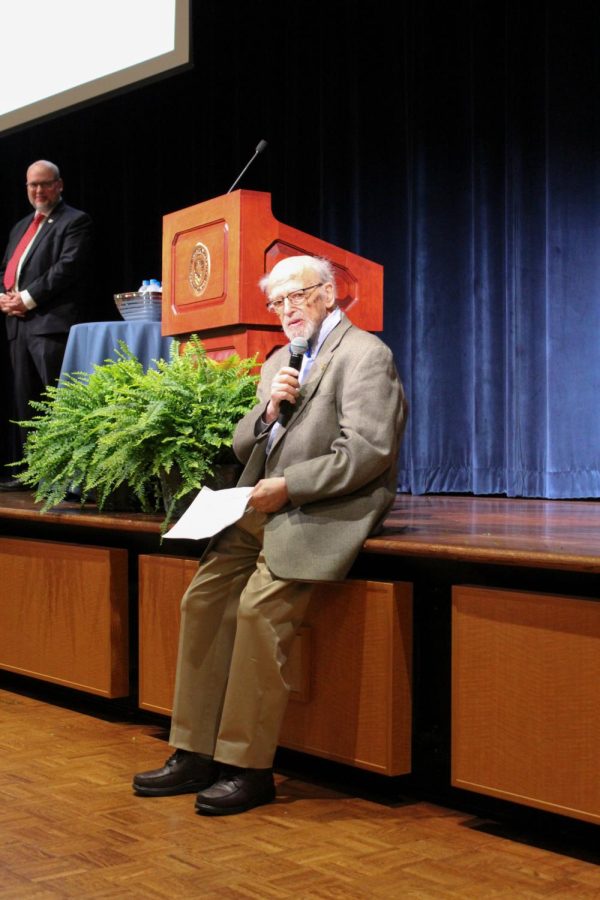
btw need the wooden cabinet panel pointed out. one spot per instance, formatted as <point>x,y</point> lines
<point>163,581</point>
<point>64,614</point>
<point>525,701</point>
<point>350,668</point>
<point>360,697</point>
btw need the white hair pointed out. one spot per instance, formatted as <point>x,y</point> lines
<point>297,267</point>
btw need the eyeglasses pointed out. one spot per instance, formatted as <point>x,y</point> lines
<point>296,299</point>
<point>32,185</point>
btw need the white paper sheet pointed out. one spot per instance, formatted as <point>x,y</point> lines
<point>210,512</point>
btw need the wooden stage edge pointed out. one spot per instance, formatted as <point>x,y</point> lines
<point>462,651</point>
<point>536,533</point>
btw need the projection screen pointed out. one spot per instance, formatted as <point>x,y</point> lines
<point>57,54</point>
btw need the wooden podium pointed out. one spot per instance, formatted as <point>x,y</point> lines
<point>214,254</point>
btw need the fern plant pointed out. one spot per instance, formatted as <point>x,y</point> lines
<point>124,426</point>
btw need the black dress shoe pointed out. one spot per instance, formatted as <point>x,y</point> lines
<point>183,773</point>
<point>12,484</point>
<point>236,791</point>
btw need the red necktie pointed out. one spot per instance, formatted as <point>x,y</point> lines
<point>10,275</point>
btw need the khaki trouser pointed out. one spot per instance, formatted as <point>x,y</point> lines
<point>238,622</point>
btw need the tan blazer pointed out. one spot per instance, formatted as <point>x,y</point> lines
<point>338,455</point>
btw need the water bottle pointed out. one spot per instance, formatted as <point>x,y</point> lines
<point>144,287</point>
<point>156,299</point>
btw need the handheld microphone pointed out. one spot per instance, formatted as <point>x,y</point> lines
<point>298,348</point>
<point>262,145</point>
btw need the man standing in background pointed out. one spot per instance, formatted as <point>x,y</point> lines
<point>44,279</point>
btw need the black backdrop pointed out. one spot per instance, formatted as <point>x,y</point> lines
<point>455,143</point>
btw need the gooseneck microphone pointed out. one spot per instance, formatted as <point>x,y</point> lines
<point>298,348</point>
<point>262,145</point>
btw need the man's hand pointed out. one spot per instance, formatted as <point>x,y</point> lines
<point>285,386</point>
<point>12,305</point>
<point>269,495</point>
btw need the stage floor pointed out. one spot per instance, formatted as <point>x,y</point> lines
<point>550,534</point>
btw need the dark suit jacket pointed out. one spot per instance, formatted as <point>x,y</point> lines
<point>55,271</point>
<point>338,455</point>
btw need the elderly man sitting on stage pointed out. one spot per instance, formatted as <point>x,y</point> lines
<point>320,450</point>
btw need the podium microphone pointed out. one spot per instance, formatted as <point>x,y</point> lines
<point>298,348</point>
<point>262,145</point>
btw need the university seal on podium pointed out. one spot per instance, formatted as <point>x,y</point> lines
<point>199,269</point>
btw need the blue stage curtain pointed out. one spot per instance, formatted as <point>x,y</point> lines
<point>497,333</point>
<point>456,143</point>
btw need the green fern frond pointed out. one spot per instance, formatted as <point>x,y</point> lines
<point>121,425</point>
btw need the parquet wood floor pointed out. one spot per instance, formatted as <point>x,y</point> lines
<point>71,827</point>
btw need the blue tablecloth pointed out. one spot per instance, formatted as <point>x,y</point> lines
<point>95,342</point>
